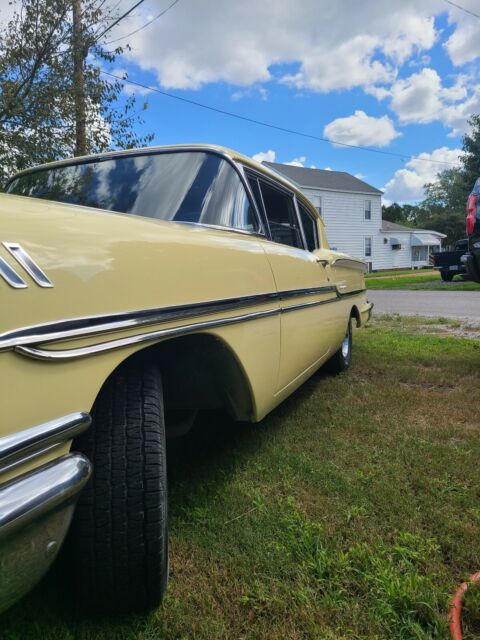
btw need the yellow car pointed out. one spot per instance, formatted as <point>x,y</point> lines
<point>138,287</point>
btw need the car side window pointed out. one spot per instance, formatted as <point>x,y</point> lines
<point>309,228</point>
<point>281,215</point>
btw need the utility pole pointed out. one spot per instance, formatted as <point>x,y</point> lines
<point>78,51</point>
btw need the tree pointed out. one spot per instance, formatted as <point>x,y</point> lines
<point>471,157</point>
<point>37,90</point>
<point>443,208</point>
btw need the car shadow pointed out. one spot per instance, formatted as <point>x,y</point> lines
<point>211,451</point>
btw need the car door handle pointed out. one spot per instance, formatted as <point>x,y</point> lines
<point>322,261</point>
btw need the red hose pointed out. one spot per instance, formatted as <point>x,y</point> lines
<point>456,607</point>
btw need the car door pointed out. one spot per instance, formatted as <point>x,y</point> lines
<point>306,295</point>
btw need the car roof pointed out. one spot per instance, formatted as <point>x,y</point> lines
<point>224,151</point>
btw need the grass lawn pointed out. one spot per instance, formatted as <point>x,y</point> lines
<point>397,272</point>
<point>351,512</point>
<point>431,283</point>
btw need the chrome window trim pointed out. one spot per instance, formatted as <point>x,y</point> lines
<point>300,225</point>
<point>241,171</point>
<point>27,262</point>
<point>288,192</point>
<point>245,232</point>
<point>10,276</point>
<point>299,205</point>
<point>21,445</point>
<point>151,152</point>
<point>251,175</point>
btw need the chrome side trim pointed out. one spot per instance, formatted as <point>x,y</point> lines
<point>29,497</point>
<point>30,266</point>
<point>81,352</point>
<point>92,325</point>
<point>24,341</point>
<point>23,445</point>
<point>10,276</point>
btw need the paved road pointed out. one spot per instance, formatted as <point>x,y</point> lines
<point>461,305</point>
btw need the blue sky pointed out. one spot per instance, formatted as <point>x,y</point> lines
<point>401,76</point>
<point>396,75</point>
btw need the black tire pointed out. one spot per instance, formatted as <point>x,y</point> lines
<point>446,276</point>
<point>341,359</point>
<point>119,534</point>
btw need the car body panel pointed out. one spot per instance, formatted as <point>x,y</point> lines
<point>116,284</point>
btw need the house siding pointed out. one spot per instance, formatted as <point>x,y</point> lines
<point>344,217</point>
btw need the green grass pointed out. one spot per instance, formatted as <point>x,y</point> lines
<point>351,512</point>
<point>396,272</point>
<point>424,282</point>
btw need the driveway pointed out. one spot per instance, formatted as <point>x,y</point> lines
<point>461,305</point>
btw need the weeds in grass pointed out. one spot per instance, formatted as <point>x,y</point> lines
<point>350,513</point>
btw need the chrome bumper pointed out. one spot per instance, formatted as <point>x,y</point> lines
<point>36,508</point>
<point>366,312</point>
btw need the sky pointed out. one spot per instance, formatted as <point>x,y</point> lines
<point>399,76</point>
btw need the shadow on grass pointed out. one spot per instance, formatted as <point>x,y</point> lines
<point>211,451</point>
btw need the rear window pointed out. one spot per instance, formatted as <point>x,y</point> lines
<point>194,187</point>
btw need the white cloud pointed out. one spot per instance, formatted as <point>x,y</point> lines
<point>464,44</point>
<point>268,156</point>
<point>335,45</point>
<point>362,129</point>
<point>423,98</point>
<point>407,185</point>
<point>297,162</point>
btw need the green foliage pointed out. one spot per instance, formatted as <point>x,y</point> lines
<point>443,208</point>
<point>37,116</point>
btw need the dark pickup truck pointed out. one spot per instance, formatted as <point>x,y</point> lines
<point>472,258</point>
<point>450,263</point>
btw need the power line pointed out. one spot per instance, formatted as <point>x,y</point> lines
<point>147,24</point>
<point>269,125</point>
<point>457,6</point>
<point>120,19</point>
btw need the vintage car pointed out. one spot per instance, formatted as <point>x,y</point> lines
<point>472,258</point>
<point>138,287</point>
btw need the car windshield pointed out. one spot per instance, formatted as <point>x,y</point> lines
<point>195,187</point>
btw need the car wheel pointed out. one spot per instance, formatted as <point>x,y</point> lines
<point>446,276</point>
<point>119,533</point>
<point>342,358</point>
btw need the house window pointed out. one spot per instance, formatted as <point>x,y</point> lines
<point>419,254</point>
<point>317,203</point>
<point>368,209</point>
<point>368,246</point>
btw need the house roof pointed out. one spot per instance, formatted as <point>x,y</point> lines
<point>393,226</point>
<point>322,178</point>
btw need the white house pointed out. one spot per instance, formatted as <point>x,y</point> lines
<point>352,212</point>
